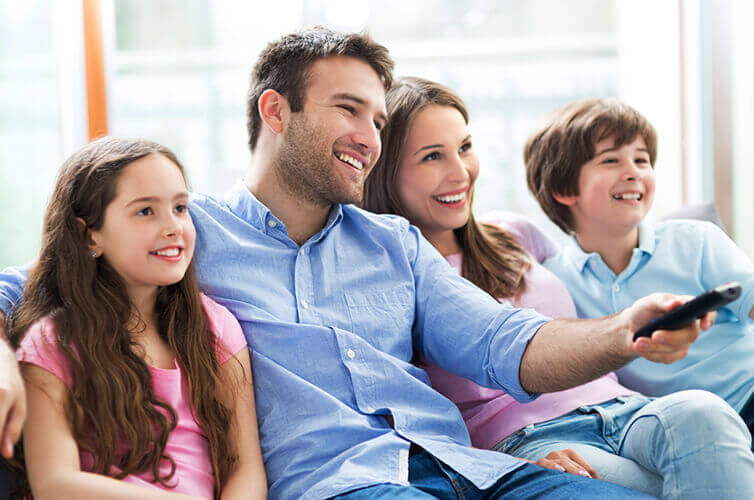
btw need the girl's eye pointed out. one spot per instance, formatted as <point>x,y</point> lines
<point>180,209</point>
<point>145,211</point>
<point>432,156</point>
<point>610,160</point>
<point>465,147</point>
<point>379,126</point>
<point>642,160</point>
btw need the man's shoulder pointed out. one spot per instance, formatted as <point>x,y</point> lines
<point>379,222</point>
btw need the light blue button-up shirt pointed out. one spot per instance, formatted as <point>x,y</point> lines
<point>681,257</point>
<point>332,327</point>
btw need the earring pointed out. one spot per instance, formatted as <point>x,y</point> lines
<point>94,254</point>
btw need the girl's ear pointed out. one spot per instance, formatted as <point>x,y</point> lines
<point>274,110</point>
<point>565,200</point>
<point>90,237</point>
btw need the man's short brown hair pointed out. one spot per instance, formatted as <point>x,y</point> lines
<point>555,153</point>
<point>284,66</point>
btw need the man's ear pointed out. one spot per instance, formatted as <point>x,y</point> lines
<point>90,237</point>
<point>274,110</point>
<point>565,200</point>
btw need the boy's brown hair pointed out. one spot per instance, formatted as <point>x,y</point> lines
<point>555,153</point>
<point>285,63</point>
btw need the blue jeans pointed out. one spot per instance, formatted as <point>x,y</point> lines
<point>430,478</point>
<point>690,444</point>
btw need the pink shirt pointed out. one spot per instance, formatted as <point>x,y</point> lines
<point>491,414</point>
<point>187,445</point>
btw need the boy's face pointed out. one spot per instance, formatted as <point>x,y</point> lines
<point>616,189</point>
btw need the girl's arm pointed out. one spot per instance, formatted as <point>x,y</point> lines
<point>247,479</point>
<point>52,456</point>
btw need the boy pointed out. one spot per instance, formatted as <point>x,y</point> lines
<point>591,168</point>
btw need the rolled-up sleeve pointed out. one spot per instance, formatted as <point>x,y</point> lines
<point>462,329</point>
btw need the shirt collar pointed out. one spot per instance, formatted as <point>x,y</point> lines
<point>245,205</point>
<point>579,257</point>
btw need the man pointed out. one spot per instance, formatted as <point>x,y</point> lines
<point>334,301</point>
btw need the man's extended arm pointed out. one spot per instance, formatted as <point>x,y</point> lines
<point>567,353</point>
<point>12,396</point>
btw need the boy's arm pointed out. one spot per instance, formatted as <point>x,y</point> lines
<point>566,353</point>
<point>723,261</point>
<point>51,453</point>
<point>12,396</point>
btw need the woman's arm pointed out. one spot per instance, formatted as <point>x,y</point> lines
<point>52,456</point>
<point>247,479</point>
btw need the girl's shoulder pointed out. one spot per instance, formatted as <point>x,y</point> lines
<point>226,328</point>
<point>40,347</point>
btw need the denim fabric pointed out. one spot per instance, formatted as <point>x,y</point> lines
<point>430,478</point>
<point>686,445</point>
<point>685,258</point>
<point>333,325</point>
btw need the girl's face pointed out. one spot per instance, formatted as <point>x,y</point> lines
<point>437,170</point>
<point>148,236</point>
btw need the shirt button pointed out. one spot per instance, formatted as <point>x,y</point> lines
<point>616,288</point>
<point>272,223</point>
<point>302,251</point>
<point>350,354</point>
<point>304,304</point>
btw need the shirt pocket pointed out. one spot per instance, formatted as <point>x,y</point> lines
<point>383,318</point>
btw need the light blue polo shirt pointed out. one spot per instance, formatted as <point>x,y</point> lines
<point>681,257</point>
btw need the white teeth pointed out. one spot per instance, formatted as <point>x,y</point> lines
<point>452,198</point>
<point>351,161</point>
<point>170,252</point>
<point>627,196</point>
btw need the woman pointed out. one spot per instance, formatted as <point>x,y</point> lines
<point>427,173</point>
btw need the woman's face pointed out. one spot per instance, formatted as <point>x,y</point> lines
<point>437,170</point>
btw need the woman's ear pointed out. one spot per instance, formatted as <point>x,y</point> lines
<point>565,200</point>
<point>274,110</point>
<point>90,237</point>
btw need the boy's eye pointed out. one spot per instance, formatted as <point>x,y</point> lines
<point>145,211</point>
<point>432,156</point>
<point>348,108</point>
<point>610,160</point>
<point>465,147</point>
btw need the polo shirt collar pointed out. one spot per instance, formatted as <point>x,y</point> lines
<point>580,258</point>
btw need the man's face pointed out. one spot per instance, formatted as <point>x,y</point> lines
<point>331,145</point>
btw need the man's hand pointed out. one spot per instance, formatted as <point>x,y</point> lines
<point>665,346</point>
<point>12,397</point>
<point>566,461</point>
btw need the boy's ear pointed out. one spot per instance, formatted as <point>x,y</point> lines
<point>90,237</point>
<point>274,110</point>
<point>565,200</point>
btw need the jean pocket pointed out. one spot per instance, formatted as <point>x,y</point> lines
<point>510,443</point>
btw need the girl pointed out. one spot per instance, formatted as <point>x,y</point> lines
<point>137,385</point>
<point>426,174</point>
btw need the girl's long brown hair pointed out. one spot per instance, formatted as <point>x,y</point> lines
<point>492,258</point>
<point>111,403</point>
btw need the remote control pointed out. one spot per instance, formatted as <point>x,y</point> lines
<point>696,308</point>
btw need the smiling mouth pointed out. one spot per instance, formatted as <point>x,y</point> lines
<point>345,158</point>
<point>172,253</point>
<point>628,196</point>
<point>451,199</point>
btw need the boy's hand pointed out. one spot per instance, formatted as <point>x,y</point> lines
<point>665,346</point>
